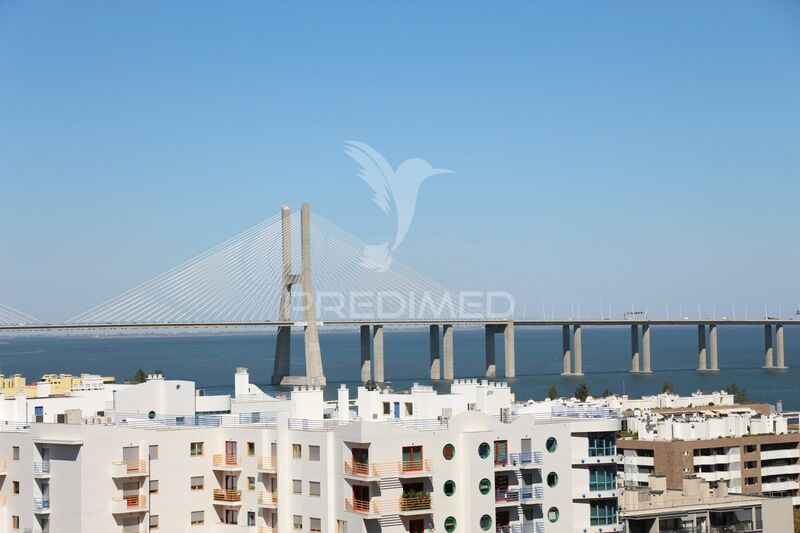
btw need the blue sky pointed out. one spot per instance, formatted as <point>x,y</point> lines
<point>607,151</point>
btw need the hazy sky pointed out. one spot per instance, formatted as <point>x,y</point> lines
<point>616,152</point>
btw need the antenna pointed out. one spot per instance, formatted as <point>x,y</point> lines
<point>666,308</point>
<point>733,310</point>
<point>544,314</point>
<point>601,310</point>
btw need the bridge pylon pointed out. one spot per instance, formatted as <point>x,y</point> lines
<point>313,356</point>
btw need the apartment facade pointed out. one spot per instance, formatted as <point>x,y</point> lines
<point>472,460</point>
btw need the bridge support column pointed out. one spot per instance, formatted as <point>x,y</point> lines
<point>366,355</point>
<point>436,364</point>
<point>577,349</point>
<point>701,348</point>
<point>281,367</point>
<point>565,351</point>
<point>779,346</point>
<point>377,353</point>
<point>509,350</point>
<point>447,344</point>
<point>768,359</point>
<point>646,368</point>
<point>635,363</point>
<point>491,370</point>
<point>712,337</point>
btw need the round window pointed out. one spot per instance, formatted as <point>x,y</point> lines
<point>449,488</point>
<point>483,450</point>
<point>449,451</point>
<point>485,486</point>
<point>449,524</point>
<point>552,514</point>
<point>151,415</point>
<point>551,444</point>
<point>486,522</point>
<point>552,479</point>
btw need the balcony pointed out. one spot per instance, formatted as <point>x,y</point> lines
<point>41,505</point>
<point>227,462</point>
<point>502,497</point>
<point>526,460</point>
<point>415,504</point>
<point>136,503</point>
<point>779,486</point>
<point>536,526</point>
<point>781,470</point>
<point>368,508</point>
<point>268,464</point>
<point>611,458</point>
<point>268,499</point>
<point>531,494</point>
<point>228,496</point>
<point>791,453</point>
<point>2,500</point>
<point>377,471</point>
<point>41,469</point>
<point>267,529</point>
<point>3,467</point>
<point>128,468</point>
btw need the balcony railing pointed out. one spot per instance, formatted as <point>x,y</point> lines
<point>380,470</point>
<point>224,460</point>
<point>227,495</point>
<point>41,468</point>
<point>525,458</point>
<point>129,467</point>
<point>509,495</point>
<point>41,504</point>
<point>129,504</point>
<point>267,529</point>
<point>268,498</point>
<point>385,506</point>
<point>535,492</point>
<point>267,463</point>
<point>415,503</point>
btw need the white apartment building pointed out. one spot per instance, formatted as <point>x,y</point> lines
<point>141,458</point>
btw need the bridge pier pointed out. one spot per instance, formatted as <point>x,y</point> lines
<point>577,349</point>
<point>377,353</point>
<point>635,364</point>
<point>779,346</point>
<point>565,350</point>
<point>491,369</point>
<point>436,370</point>
<point>768,358</point>
<point>366,355</point>
<point>447,344</point>
<point>646,368</point>
<point>701,348</point>
<point>712,336</point>
<point>510,350</point>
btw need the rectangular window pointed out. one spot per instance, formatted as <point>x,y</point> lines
<point>197,483</point>
<point>603,513</point>
<point>251,483</point>
<point>196,449</point>
<point>153,486</point>
<point>315,525</point>
<point>409,409</point>
<point>251,448</point>
<point>387,408</point>
<point>14,522</point>
<point>341,526</point>
<point>602,444</point>
<point>500,452</point>
<point>313,453</point>
<point>153,521</point>
<point>602,479</point>
<point>198,518</point>
<point>15,487</point>
<point>297,451</point>
<point>297,520</point>
<point>313,488</point>
<point>297,486</point>
<point>412,458</point>
<point>15,453</point>
<point>153,452</point>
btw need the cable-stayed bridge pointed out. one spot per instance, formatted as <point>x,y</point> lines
<point>267,276</point>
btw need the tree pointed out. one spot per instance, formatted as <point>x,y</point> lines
<point>158,372</point>
<point>739,395</point>
<point>552,393</point>
<point>607,393</point>
<point>139,377</point>
<point>667,387</point>
<point>582,392</point>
